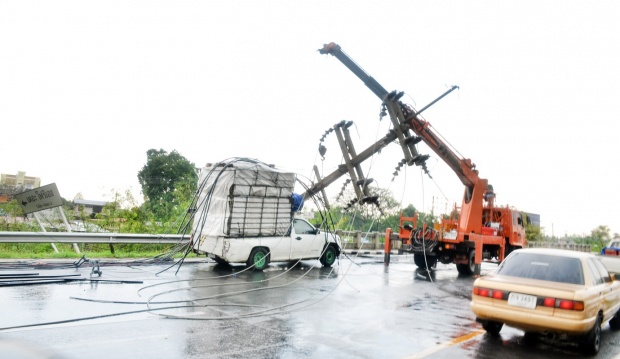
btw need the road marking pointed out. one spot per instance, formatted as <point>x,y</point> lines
<point>455,341</point>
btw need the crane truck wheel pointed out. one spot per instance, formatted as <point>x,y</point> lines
<point>468,269</point>
<point>424,262</point>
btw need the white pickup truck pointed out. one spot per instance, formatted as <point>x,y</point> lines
<point>246,212</point>
<point>304,242</point>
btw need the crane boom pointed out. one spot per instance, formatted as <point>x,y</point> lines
<point>405,116</point>
<point>372,84</point>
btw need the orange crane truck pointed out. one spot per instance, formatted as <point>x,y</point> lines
<point>480,230</point>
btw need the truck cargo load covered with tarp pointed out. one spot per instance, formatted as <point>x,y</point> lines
<point>243,198</point>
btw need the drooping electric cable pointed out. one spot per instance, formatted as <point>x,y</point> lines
<point>327,225</point>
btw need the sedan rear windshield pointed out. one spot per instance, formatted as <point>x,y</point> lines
<point>543,267</point>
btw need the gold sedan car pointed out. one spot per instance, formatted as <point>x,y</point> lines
<point>549,291</point>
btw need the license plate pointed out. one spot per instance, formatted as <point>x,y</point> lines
<point>522,300</point>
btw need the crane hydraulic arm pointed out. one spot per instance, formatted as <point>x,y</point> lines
<point>407,116</point>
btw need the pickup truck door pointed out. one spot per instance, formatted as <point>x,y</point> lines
<point>306,241</point>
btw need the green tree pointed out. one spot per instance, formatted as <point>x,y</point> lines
<point>600,235</point>
<point>12,208</point>
<point>165,179</point>
<point>326,219</point>
<point>408,211</point>
<point>369,216</point>
<point>123,215</point>
<point>533,233</point>
<point>12,218</point>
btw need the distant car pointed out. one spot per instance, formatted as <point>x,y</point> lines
<point>557,291</point>
<point>612,249</point>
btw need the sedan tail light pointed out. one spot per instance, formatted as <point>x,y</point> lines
<point>565,304</point>
<point>569,304</point>
<point>491,293</point>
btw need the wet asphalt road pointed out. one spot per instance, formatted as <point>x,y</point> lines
<point>358,309</point>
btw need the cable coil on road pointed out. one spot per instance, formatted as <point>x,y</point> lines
<point>424,239</point>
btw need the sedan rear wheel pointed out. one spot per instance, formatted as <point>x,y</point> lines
<point>592,340</point>
<point>530,337</point>
<point>614,323</point>
<point>492,327</point>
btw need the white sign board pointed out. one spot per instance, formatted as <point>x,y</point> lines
<point>39,199</point>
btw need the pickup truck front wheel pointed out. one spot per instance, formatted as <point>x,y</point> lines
<point>259,259</point>
<point>329,256</point>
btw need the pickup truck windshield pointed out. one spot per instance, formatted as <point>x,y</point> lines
<point>543,267</point>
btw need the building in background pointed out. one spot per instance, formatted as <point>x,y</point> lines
<point>11,185</point>
<point>87,207</point>
<point>20,180</point>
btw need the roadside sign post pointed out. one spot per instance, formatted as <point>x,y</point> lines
<point>36,216</point>
<point>42,198</point>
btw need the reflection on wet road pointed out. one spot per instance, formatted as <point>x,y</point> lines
<point>358,309</point>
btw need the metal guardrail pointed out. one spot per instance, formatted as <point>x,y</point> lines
<point>361,240</point>
<point>569,246</point>
<point>80,237</point>
<point>351,239</point>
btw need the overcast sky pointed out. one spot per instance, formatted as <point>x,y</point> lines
<point>87,87</point>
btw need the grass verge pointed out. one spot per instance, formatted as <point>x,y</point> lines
<point>45,251</point>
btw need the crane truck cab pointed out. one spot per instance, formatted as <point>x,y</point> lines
<point>500,231</point>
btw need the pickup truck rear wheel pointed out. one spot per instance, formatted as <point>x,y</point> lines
<point>259,259</point>
<point>329,256</point>
<point>220,261</point>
